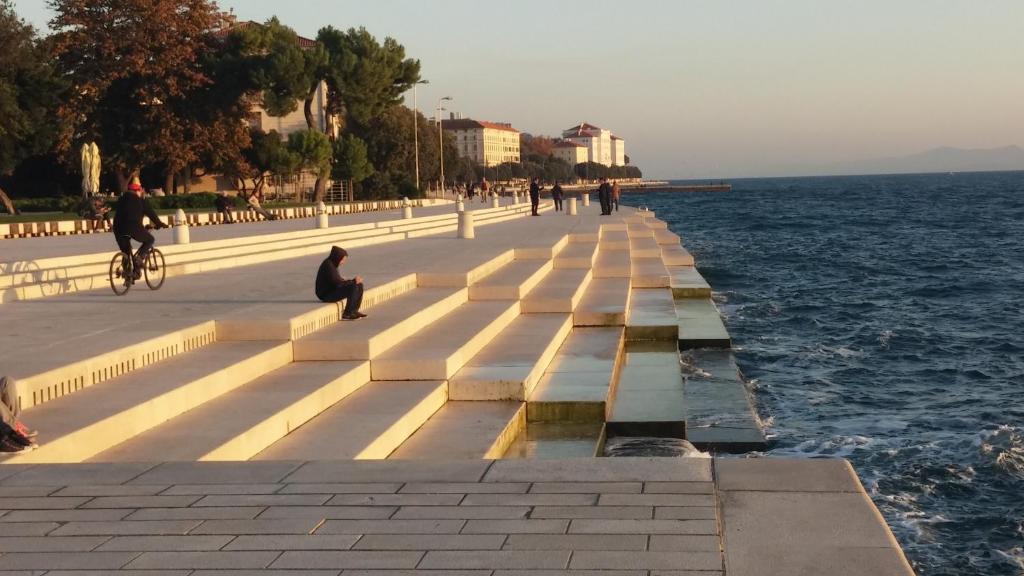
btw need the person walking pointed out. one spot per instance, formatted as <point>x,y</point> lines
<point>485,188</point>
<point>556,195</point>
<point>604,194</point>
<point>616,192</point>
<point>331,287</point>
<point>535,189</point>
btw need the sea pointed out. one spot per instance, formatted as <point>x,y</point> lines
<point>879,319</point>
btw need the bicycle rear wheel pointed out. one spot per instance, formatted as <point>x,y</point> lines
<point>120,276</point>
<point>154,269</point>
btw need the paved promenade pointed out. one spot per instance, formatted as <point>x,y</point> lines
<point>596,517</point>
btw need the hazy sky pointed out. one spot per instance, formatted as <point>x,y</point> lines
<point>708,89</point>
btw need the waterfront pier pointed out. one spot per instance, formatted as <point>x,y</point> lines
<point>231,421</point>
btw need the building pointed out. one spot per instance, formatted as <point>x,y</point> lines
<point>572,153</point>
<point>486,143</point>
<point>602,146</point>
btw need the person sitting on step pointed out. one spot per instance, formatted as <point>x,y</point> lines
<point>331,287</point>
<point>14,435</point>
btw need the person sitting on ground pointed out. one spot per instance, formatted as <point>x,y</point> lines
<point>225,206</point>
<point>331,287</point>
<point>96,211</point>
<point>254,203</point>
<point>14,435</point>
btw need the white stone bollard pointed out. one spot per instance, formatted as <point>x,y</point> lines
<point>321,215</point>
<point>515,197</point>
<point>571,209</point>
<point>586,198</point>
<point>406,209</point>
<point>495,201</point>
<point>181,234</point>
<point>466,225</point>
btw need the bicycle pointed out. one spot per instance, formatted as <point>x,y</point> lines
<point>122,273</point>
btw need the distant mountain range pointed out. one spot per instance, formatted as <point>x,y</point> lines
<point>944,159</point>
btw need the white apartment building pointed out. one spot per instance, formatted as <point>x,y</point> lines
<point>486,143</point>
<point>601,148</point>
<point>572,153</point>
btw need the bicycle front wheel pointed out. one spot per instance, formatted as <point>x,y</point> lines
<point>120,272</point>
<point>154,269</point>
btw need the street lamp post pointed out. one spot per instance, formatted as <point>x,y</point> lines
<point>416,129</point>
<point>440,136</point>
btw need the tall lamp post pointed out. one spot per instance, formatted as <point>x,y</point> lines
<point>440,136</point>
<point>416,129</point>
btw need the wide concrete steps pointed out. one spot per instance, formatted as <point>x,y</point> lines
<point>605,303</point>
<point>648,273</point>
<point>512,281</point>
<point>613,264</point>
<point>676,255</point>
<point>614,240</point>
<point>558,441</point>
<point>77,427</point>
<point>686,282</point>
<point>438,351</point>
<point>242,423</point>
<point>577,255</point>
<point>385,325</point>
<point>512,363</point>
<point>466,430</point>
<point>719,415</point>
<point>368,424</point>
<point>700,324</point>
<point>650,395</point>
<point>579,383</point>
<point>560,291</point>
<point>652,315</point>
<point>645,247</point>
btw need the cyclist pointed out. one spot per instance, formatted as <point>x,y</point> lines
<point>130,209</point>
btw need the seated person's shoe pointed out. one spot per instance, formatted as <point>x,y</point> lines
<point>360,315</point>
<point>20,428</point>
<point>353,316</point>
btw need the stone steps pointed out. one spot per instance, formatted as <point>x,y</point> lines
<point>558,440</point>
<point>577,255</point>
<point>386,325</point>
<point>79,426</point>
<point>650,394</point>
<point>615,240</point>
<point>686,282</point>
<point>675,255</point>
<point>466,430</point>
<point>242,423</point>
<point>605,303</point>
<point>648,273</point>
<point>369,424</point>
<point>510,365</point>
<point>613,264</point>
<point>700,324</point>
<point>560,291</point>
<point>719,415</point>
<point>645,247</point>
<point>512,281</point>
<point>438,351</point>
<point>579,383</point>
<point>652,315</point>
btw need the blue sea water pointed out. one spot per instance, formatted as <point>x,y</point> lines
<point>879,319</point>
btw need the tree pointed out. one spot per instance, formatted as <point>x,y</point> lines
<point>267,155</point>
<point>29,92</point>
<point>312,152</point>
<point>351,161</point>
<point>133,68</point>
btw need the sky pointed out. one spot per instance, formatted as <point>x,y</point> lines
<point>711,88</point>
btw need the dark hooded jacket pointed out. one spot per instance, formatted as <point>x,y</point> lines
<point>327,277</point>
<point>129,212</point>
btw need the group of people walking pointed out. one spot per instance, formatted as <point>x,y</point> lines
<point>608,194</point>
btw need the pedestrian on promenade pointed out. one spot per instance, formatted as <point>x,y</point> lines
<point>485,188</point>
<point>556,195</point>
<point>14,435</point>
<point>535,189</point>
<point>604,194</point>
<point>224,206</point>
<point>331,287</point>
<point>616,192</point>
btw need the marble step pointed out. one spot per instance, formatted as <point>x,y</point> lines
<point>700,324</point>
<point>579,384</point>
<point>466,430</point>
<point>512,281</point>
<point>560,291</point>
<point>676,255</point>
<point>558,441</point>
<point>652,315</point>
<point>369,424</point>
<point>649,273</point>
<point>438,351</point>
<point>719,413</point>
<point>686,282</point>
<point>605,303</point>
<point>511,364</point>
<point>644,248</point>
<point>615,240</point>
<point>385,325</point>
<point>79,426</point>
<point>242,423</point>
<point>613,264</point>
<point>649,398</point>
<point>580,255</point>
